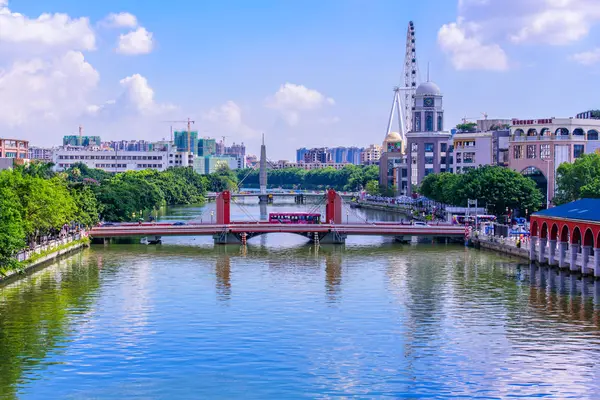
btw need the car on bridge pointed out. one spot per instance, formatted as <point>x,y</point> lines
<point>179,223</point>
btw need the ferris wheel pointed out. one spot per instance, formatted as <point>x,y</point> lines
<point>404,97</point>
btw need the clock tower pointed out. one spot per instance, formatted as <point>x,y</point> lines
<point>428,115</point>
<point>427,144</point>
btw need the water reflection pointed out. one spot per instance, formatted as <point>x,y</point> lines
<point>223,274</point>
<point>38,314</point>
<point>333,276</point>
<point>356,321</point>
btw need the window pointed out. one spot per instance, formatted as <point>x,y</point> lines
<point>545,151</point>
<point>429,160</point>
<point>458,158</point>
<point>428,147</point>
<point>458,170</point>
<point>440,126</point>
<point>429,121</point>
<point>428,171</point>
<point>417,122</point>
<point>404,172</point>
<point>414,160</point>
<point>578,150</point>
<point>531,150</point>
<point>469,158</point>
<point>443,160</point>
<point>443,147</point>
<point>518,152</point>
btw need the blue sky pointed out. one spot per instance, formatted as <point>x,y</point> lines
<point>307,73</point>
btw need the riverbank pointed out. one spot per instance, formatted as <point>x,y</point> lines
<point>499,246</point>
<point>43,259</point>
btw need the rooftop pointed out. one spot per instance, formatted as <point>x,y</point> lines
<point>581,210</point>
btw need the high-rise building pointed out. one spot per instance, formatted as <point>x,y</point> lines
<point>207,147</point>
<point>317,155</point>
<point>371,155</point>
<point>85,141</point>
<point>300,154</point>
<point>353,155</point>
<point>182,143</point>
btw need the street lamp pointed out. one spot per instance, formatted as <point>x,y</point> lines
<point>548,161</point>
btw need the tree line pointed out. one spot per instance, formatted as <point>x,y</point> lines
<point>496,188</point>
<point>349,178</point>
<point>36,202</point>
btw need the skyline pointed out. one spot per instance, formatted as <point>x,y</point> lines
<point>318,74</point>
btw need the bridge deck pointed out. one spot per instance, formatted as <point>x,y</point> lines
<point>385,229</point>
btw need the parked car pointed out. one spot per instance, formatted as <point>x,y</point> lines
<point>420,223</point>
<point>108,224</point>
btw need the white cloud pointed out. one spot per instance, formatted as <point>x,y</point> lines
<point>467,51</point>
<point>587,57</point>
<point>136,98</point>
<point>291,99</point>
<point>120,20</point>
<point>483,27</point>
<point>228,118</point>
<point>48,31</point>
<point>46,90</point>
<point>136,42</point>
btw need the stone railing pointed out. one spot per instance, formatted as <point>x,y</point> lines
<point>49,245</point>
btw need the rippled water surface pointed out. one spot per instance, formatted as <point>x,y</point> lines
<point>282,319</point>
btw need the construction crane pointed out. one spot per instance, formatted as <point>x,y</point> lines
<point>189,123</point>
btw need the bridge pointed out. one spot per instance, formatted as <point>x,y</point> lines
<point>225,231</point>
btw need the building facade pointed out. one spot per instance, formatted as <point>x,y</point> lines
<point>471,150</point>
<point>537,147</point>
<point>207,147</point>
<point>14,148</point>
<point>83,140</point>
<point>370,155</point>
<point>40,153</point>
<point>182,143</point>
<point>163,156</point>
<point>393,160</point>
<point>209,164</point>
<point>428,143</point>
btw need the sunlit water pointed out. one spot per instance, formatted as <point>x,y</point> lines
<point>283,319</point>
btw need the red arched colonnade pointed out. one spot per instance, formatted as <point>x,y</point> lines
<point>568,235</point>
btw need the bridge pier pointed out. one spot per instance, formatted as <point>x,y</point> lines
<point>227,238</point>
<point>333,237</point>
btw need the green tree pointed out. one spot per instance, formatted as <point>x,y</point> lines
<point>498,188</point>
<point>467,127</point>
<point>372,187</point>
<point>12,234</point>
<point>578,180</point>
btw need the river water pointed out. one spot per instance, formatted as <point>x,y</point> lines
<point>283,319</point>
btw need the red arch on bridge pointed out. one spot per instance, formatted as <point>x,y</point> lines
<point>333,207</point>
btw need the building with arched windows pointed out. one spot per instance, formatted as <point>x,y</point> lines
<point>538,146</point>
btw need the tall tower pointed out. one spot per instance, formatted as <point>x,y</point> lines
<point>263,167</point>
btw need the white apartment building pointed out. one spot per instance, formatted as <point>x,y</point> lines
<point>111,160</point>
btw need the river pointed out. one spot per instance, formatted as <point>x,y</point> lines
<point>282,319</point>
